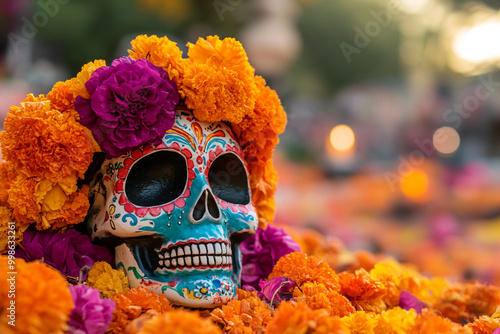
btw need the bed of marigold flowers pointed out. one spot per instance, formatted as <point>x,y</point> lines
<point>388,298</point>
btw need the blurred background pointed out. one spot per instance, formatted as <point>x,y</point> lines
<point>393,137</point>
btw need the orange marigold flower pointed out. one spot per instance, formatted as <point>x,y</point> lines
<point>467,302</point>
<point>360,322</point>
<point>268,111</point>
<point>6,229</point>
<point>78,83</point>
<point>161,52</point>
<point>263,182</point>
<point>22,200</point>
<point>303,268</point>
<point>134,302</point>
<point>428,322</point>
<point>248,315</point>
<point>317,296</point>
<point>179,322</point>
<point>7,174</point>
<point>218,81</point>
<point>363,290</point>
<point>43,300</point>
<point>484,325</point>
<point>62,99</point>
<point>298,318</point>
<point>45,143</point>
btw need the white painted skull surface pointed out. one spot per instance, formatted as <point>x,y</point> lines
<point>176,213</point>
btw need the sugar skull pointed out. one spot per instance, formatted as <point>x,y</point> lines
<point>175,213</point>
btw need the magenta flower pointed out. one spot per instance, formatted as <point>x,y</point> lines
<point>132,102</point>
<point>408,301</point>
<point>261,251</point>
<point>67,252</point>
<point>92,314</point>
<point>276,290</point>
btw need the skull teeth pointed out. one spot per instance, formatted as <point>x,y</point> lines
<point>196,255</point>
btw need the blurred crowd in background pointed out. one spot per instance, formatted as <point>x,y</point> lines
<point>393,137</point>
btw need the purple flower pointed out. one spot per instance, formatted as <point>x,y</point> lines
<point>132,102</point>
<point>67,252</point>
<point>276,290</point>
<point>91,315</point>
<point>496,331</point>
<point>261,251</point>
<point>408,301</point>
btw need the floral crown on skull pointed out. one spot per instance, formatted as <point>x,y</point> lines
<point>50,140</point>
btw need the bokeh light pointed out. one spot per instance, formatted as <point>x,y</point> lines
<point>475,45</point>
<point>446,140</point>
<point>415,184</point>
<point>413,6</point>
<point>342,138</point>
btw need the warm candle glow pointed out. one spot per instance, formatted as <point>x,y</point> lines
<point>414,184</point>
<point>446,140</point>
<point>342,138</point>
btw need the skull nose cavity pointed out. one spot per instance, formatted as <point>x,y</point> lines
<point>205,206</point>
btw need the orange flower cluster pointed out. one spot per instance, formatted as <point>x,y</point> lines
<point>298,318</point>
<point>363,290</point>
<point>179,322</point>
<point>430,322</point>
<point>160,51</point>
<point>246,315</point>
<point>467,302</point>
<point>317,296</point>
<point>218,83</point>
<point>303,268</point>
<point>43,301</point>
<point>364,303</point>
<point>46,152</point>
<point>133,303</point>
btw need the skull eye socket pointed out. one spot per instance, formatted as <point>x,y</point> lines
<point>229,180</point>
<point>156,179</point>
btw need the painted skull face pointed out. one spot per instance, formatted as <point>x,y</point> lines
<point>176,213</point>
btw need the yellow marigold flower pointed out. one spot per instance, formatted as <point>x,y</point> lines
<point>430,289</point>
<point>218,81</point>
<point>107,280</point>
<point>248,315</point>
<point>395,321</point>
<point>161,52</point>
<point>179,322</point>
<point>428,322</point>
<point>6,229</point>
<point>317,296</point>
<point>43,300</point>
<point>134,302</point>
<point>303,268</point>
<point>78,83</point>
<point>484,325</point>
<point>466,302</point>
<point>298,318</point>
<point>360,322</point>
<point>396,277</point>
<point>363,290</point>
<point>32,206</point>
